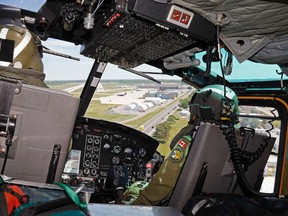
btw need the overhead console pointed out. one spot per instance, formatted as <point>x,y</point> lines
<point>134,32</point>
<point>107,154</point>
<point>127,33</point>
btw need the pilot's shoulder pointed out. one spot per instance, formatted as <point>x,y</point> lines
<point>180,149</point>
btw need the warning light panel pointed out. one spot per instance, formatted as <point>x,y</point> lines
<point>112,19</point>
<point>176,15</point>
<point>180,16</point>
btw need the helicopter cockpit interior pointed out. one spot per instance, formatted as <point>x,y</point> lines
<point>46,137</point>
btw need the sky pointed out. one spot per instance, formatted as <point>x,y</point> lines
<point>58,68</point>
<point>66,69</point>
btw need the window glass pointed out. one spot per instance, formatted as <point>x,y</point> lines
<point>245,71</point>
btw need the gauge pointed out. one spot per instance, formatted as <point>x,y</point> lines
<point>142,152</point>
<point>115,160</point>
<point>87,163</point>
<point>140,163</point>
<point>86,171</point>
<point>88,155</point>
<point>117,149</point>
<point>94,164</point>
<point>95,156</point>
<point>93,172</point>
<point>97,141</point>
<point>90,140</point>
<point>89,147</point>
<point>129,168</point>
<point>141,174</point>
<point>95,149</point>
<point>128,150</point>
<point>106,146</point>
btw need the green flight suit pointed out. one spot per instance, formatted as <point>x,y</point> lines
<point>27,76</point>
<point>163,182</point>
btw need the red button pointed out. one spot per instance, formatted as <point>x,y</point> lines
<point>185,18</point>
<point>176,15</point>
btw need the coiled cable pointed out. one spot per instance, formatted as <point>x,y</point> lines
<point>229,133</point>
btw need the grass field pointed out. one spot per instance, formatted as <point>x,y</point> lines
<point>62,85</point>
<point>164,149</point>
<point>140,121</point>
<point>103,111</point>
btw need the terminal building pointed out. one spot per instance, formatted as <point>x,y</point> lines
<point>162,94</point>
<point>161,87</point>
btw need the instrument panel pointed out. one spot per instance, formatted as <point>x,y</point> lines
<point>109,152</point>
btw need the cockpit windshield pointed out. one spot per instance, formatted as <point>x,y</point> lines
<point>32,5</point>
<point>247,71</point>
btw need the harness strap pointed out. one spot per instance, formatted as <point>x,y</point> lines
<point>72,195</point>
<point>22,199</point>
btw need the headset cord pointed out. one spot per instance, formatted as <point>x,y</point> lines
<point>229,133</point>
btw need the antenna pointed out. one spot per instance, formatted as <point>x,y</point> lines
<point>142,74</point>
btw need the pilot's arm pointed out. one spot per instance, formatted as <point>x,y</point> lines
<point>162,183</point>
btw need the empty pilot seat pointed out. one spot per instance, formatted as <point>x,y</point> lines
<point>44,125</point>
<point>208,168</point>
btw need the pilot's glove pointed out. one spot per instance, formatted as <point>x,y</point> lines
<point>133,191</point>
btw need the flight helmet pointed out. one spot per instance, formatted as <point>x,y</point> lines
<point>26,49</point>
<point>214,103</point>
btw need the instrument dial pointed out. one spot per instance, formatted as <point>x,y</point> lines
<point>89,147</point>
<point>97,141</point>
<point>115,160</point>
<point>141,174</point>
<point>90,140</point>
<point>117,149</point>
<point>142,152</point>
<point>141,163</point>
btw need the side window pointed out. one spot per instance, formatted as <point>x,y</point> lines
<point>265,121</point>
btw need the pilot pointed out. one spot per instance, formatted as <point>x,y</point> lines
<point>207,104</point>
<point>24,62</point>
